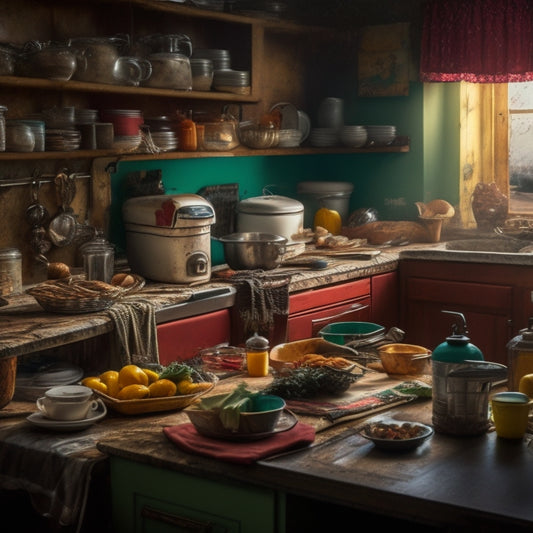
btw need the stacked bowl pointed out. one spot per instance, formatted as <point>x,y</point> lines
<point>353,136</point>
<point>324,137</point>
<point>381,135</point>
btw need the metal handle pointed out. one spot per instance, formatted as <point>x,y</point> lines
<point>183,522</point>
<point>354,307</point>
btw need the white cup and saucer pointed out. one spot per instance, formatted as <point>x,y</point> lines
<point>68,407</point>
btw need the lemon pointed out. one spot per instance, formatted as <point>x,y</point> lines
<point>94,383</point>
<point>161,388</point>
<point>132,375</point>
<point>110,378</point>
<point>136,391</point>
<point>526,385</point>
<point>152,376</point>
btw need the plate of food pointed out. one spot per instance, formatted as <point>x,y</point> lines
<point>396,434</point>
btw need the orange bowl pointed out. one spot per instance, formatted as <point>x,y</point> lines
<point>399,358</point>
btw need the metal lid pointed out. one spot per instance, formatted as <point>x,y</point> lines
<point>257,343</point>
<point>168,211</point>
<point>10,253</point>
<point>270,204</point>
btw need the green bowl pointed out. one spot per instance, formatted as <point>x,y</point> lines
<point>345,332</point>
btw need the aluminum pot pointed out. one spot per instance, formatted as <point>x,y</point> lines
<point>274,214</point>
<point>253,250</point>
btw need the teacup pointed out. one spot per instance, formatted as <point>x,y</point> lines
<point>510,412</point>
<point>67,402</point>
<point>66,410</point>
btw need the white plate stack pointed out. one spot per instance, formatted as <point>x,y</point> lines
<point>381,135</point>
<point>353,136</point>
<point>324,137</point>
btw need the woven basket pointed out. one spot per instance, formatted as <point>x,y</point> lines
<point>8,371</point>
<point>67,299</point>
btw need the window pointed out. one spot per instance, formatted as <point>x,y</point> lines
<point>496,144</point>
<point>520,106</point>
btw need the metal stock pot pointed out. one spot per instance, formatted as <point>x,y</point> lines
<point>274,214</point>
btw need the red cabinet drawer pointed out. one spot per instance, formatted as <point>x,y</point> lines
<point>307,325</point>
<point>307,300</point>
<point>184,338</point>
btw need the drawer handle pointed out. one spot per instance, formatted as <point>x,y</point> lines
<point>354,307</point>
<point>181,522</point>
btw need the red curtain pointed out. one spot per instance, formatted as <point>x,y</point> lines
<point>480,41</point>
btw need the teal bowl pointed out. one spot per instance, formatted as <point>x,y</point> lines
<point>344,332</point>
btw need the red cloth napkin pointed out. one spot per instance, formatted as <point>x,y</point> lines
<point>187,438</point>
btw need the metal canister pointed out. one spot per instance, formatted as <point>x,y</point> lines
<point>10,271</point>
<point>520,356</point>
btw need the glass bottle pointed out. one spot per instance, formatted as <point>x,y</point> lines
<point>257,361</point>
<point>520,356</point>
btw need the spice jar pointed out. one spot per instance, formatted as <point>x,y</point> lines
<point>10,271</point>
<point>257,356</point>
<point>187,140</point>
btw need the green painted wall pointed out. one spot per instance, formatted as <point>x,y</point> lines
<point>390,182</point>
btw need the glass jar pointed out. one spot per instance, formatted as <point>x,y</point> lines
<point>10,271</point>
<point>520,356</point>
<point>98,259</point>
<point>257,356</point>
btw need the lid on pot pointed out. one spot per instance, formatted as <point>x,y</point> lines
<point>325,187</point>
<point>269,205</point>
<point>171,211</point>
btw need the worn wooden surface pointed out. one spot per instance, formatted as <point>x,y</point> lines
<point>26,328</point>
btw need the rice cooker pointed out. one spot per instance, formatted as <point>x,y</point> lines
<point>274,214</point>
<point>168,237</point>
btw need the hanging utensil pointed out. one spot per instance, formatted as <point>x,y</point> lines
<point>37,215</point>
<point>62,227</point>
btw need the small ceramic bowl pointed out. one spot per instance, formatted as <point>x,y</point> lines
<point>398,358</point>
<point>263,417</point>
<point>397,434</point>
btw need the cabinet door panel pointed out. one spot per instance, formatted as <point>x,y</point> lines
<point>487,310</point>
<point>184,338</point>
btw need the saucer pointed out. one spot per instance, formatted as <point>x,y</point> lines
<point>39,420</point>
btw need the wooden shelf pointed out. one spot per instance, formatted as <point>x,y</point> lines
<point>79,86</point>
<point>237,152</point>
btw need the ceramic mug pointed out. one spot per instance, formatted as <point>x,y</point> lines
<point>510,412</point>
<point>331,113</point>
<point>58,410</point>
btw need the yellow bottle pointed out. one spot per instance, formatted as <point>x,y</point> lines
<point>257,361</point>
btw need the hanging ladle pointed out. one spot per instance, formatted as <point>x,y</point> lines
<point>62,228</point>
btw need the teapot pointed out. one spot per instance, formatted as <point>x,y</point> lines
<point>99,60</point>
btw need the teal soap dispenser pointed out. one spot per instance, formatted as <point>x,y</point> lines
<point>459,391</point>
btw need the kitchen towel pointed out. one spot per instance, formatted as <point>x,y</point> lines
<point>188,439</point>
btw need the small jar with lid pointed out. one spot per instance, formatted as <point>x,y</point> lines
<point>98,259</point>
<point>10,271</point>
<point>257,360</point>
<point>520,356</point>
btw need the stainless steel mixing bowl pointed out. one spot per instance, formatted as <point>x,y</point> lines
<point>253,250</point>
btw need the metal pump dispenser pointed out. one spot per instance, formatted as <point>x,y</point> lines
<point>461,383</point>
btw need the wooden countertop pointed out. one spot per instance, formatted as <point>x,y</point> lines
<point>26,328</point>
<point>482,482</point>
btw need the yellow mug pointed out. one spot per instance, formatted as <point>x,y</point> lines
<point>510,412</point>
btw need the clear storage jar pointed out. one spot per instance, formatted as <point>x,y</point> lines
<point>10,271</point>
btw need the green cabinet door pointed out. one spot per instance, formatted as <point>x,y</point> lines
<point>154,500</point>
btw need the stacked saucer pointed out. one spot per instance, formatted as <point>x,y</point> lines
<point>221,59</point>
<point>289,138</point>
<point>166,141</point>
<point>324,137</point>
<point>229,80</point>
<point>62,140</point>
<point>353,136</point>
<point>85,116</point>
<point>381,135</point>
